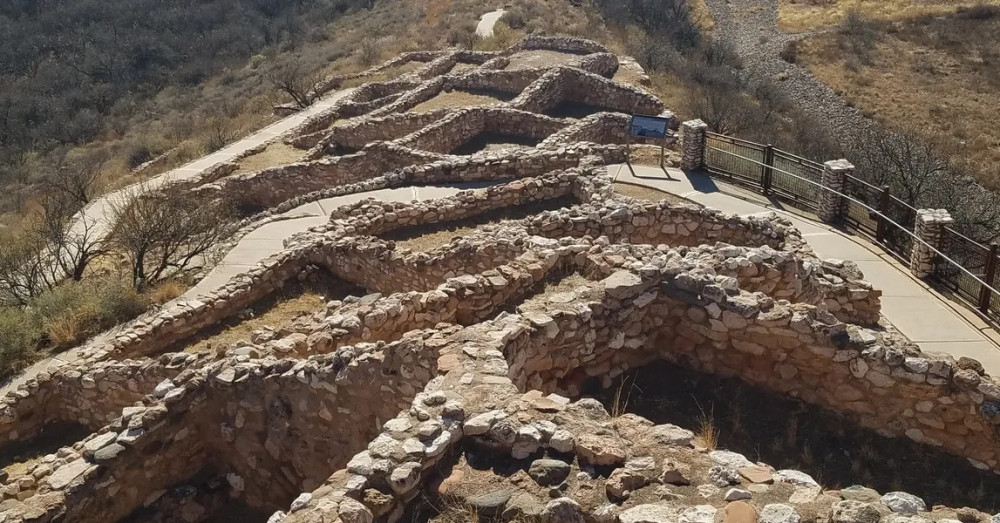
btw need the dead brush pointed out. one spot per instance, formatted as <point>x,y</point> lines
<point>707,433</point>
<point>622,397</point>
<point>165,291</point>
<point>451,510</point>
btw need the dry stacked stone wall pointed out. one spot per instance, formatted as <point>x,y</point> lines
<point>374,406</point>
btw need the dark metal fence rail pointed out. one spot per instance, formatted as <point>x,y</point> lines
<point>970,270</point>
<point>724,154</point>
<point>792,189</point>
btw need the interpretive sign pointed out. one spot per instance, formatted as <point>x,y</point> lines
<point>648,126</point>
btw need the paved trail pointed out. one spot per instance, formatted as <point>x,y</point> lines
<point>928,319</point>
<point>269,239</point>
<point>96,214</point>
<point>487,21</point>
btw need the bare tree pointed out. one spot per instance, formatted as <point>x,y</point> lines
<point>722,106</point>
<point>71,240</point>
<point>292,79</point>
<point>54,245</point>
<point>908,164</point>
<point>21,274</point>
<point>76,179</point>
<point>163,232</point>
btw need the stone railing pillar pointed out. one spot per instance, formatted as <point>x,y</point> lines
<point>929,227</point>
<point>831,204</point>
<point>693,144</point>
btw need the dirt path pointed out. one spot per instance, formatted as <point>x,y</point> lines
<point>751,27</point>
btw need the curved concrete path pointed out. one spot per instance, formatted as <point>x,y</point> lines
<point>487,22</point>
<point>269,239</point>
<point>929,319</point>
<point>263,242</point>
<point>96,214</point>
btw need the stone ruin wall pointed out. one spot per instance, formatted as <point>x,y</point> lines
<point>364,131</point>
<point>796,350</point>
<point>538,88</point>
<point>475,368</point>
<point>274,430</point>
<point>460,126</point>
<point>756,305</point>
<point>90,396</point>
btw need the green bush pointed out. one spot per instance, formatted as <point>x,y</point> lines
<point>72,312</point>
<point>19,337</point>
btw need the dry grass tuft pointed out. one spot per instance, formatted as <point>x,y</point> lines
<point>166,291</point>
<point>456,512</point>
<point>707,434</point>
<point>796,16</point>
<point>931,75</point>
<point>622,398</point>
<point>452,99</point>
<point>702,15</point>
<point>275,154</point>
<point>67,329</point>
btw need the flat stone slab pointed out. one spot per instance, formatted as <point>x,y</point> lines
<point>67,473</point>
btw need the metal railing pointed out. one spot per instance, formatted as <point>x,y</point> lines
<point>965,267</point>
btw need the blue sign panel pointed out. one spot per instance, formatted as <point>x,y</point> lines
<point>648,126</point>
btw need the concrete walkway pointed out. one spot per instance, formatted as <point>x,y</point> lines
<point>487,21</point>
<point>263,242</point>
<point>96,214</point>
<point>269,239</point>
<point>932,321</point>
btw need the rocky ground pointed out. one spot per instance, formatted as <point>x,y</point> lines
<point>751,28</point>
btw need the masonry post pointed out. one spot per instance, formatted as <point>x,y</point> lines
<point>929,228</point>
<point>693,144</point>
<point>831,204</point>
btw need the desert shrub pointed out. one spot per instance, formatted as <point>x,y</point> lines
<point>653,53</point>
<point>981,12</point>
<point>791,52</point>
<point>139,155</point>
<point>719,54</point>
<point>857,36</point>
<point>502,38</point>
<point>371,50</point>
<point>74,311</point>
<point>463,36</point>
<point>670,20</point>
<point>19,337</point>
<point>514,18</point>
